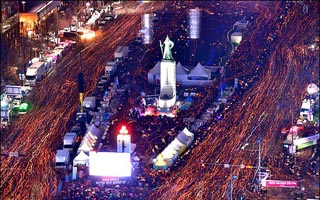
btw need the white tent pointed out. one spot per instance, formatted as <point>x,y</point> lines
<point>84,147</point>
<point>199,72</point>
<point>81,158</point>
<point>181,73</point>
<point>91,138</point>
<point>185,136</point>
<point>154,74</point>
<point>172,151</point>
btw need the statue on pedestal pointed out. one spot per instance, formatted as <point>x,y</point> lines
<point>168,45</point>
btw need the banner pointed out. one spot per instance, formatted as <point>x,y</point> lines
<point>280,183</point>
<point>306,139</point>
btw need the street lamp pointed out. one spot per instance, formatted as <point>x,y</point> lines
<point>259,164</point>
<point>233,177</point>
<point>23,6</point>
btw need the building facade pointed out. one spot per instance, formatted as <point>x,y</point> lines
<point>9,33</point>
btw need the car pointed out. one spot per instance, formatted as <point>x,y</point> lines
<point>101,85</point>
<point>17,101</point>
<point>18,98</point>
<point>104,78</point>
<point>139,40</point>
<point>77,129</point>
<point>4,124</point>
<point>102,22</point>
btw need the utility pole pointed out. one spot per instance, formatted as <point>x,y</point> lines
<point>233,177</point>
<point>259,164</point>
<point>80,84</point>
<point>242,166</point>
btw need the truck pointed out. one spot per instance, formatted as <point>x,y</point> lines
<point>109,13</point>
<point>62,159</point>
<point>69,141</point>
<point>35,73</point>
<point>5,112</point>
<point>13,90</point>
<point>110,68</point>
<point>305,108</point>
<point>89,102</point>
<point>121,53</point>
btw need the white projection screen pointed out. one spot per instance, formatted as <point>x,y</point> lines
<point>110,164</point>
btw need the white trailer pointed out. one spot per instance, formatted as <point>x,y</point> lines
<point>110,68</point>
<point>48,64</point>
<point>5,113</point>
<point>35,73</point>
<point>306,108</point>
<point>121,53</point>
<point>69,141</point>
<point>89,102</point>
<point>13,90</point>
<point>62,158</point>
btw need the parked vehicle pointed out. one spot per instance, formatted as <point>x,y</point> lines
<point>17,101</point>
<point>110,13</point>
<point>110,68</point>
<point>69,141</point>
<point>121,53</point>
<point>35,73</point>
<point>13,90</point>
<point>62,159</point>
<point>104,78</point>
<point>5,112</point>
<point>89,102</point>
<point>306,108</point>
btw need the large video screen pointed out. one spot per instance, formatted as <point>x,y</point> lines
<point>110,164</point>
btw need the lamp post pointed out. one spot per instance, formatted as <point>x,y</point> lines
<point>233,177</point>
<point>23,6</point>
<point>259,164</point>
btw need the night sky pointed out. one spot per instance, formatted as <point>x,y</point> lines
<point>30,5</point>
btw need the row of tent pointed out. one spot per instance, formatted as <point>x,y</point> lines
<point>168,156</point>
<point>89,142</point>
<point>183,74</point>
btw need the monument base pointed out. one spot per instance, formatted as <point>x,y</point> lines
<point>168,103</point>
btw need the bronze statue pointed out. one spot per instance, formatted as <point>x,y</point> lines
<point>168,45</point>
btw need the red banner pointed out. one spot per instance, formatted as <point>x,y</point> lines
<point>280,183</point>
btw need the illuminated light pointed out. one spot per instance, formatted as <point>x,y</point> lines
<point>4,104</point>
<point>312,46</point>
<point>194,23</point>
<point>236,38</point>
<point>110,164</point>
<point>312,89</point>
<point>123,130</point>
<point>123,137</point>
<point>23,108</point>
<point>249,167</point>
<point>88,35</point>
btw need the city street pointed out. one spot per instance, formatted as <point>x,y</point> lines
<point>273,64</point>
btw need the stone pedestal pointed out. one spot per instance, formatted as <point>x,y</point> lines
<point>167,96</point>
